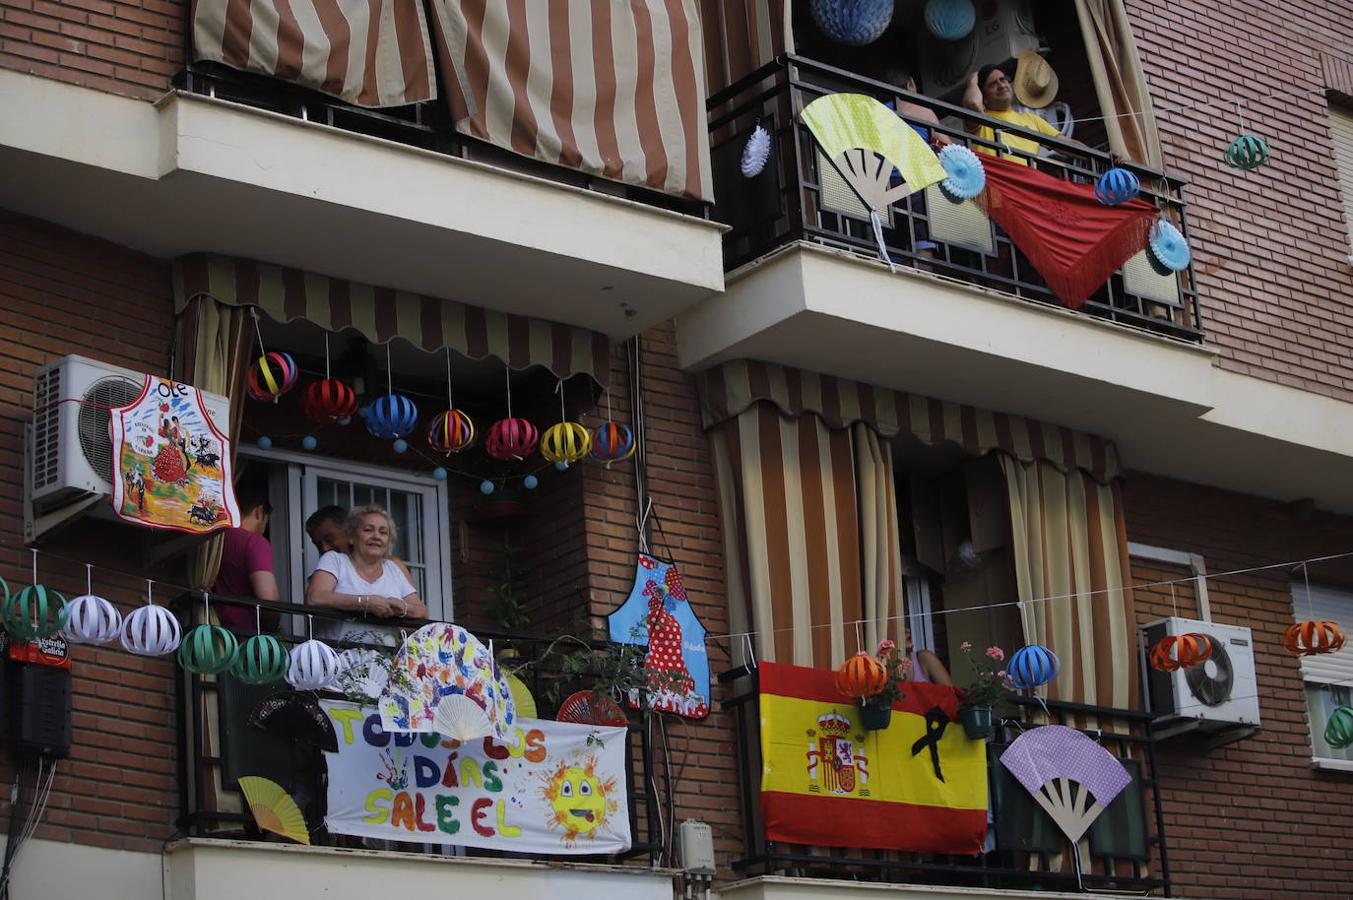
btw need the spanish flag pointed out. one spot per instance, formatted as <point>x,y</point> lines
<point>919,785</point>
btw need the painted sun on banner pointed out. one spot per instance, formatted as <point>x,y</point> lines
<point>918,785</point>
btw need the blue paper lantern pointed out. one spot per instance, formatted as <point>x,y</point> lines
<point>967,178</point>
<point>950,20</point>
<point>530,482</point>
<point>853,22</point>
<point>309,443</point>
<point>1117,186</point>
<point>392,416</point>
<point>1032,666</point>
<point>1169,251</point>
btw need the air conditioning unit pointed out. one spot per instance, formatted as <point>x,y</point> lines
<point>1218,698</point>
<point>70,454</point>
<point>1004,29</point>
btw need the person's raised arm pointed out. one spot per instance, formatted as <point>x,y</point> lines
<point>933,668</point>
<point>972,99</point>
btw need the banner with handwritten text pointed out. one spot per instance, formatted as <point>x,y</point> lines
<point>553,788</point>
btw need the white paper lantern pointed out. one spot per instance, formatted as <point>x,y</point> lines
<point>151,631</point>
<point>91,620</point>
<point>314,666</point>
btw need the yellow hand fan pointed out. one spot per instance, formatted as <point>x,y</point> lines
<point>521,696</point>
<point>273,808</point>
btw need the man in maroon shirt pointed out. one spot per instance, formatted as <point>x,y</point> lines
<point>246,563</point>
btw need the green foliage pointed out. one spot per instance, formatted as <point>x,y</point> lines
<point>508,590</point>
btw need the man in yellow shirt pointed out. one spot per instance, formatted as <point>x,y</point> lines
<point>990,92</point>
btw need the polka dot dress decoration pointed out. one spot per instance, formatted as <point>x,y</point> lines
<point>314,666</point>
<point>272,375</point>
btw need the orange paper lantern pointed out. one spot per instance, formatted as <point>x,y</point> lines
<point>1311,637</point>
<point>861,676</point>
<point>1180,651</point>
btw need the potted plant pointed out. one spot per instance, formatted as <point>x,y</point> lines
<point>877,682</point>
<point>989,686</point>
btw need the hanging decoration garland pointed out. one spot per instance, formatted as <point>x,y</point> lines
<point>34,612</point>
<point>208,649</point>
<point>861,676</point>
<point>1117,186</point>
<point>1032,666</point>
<point>314,666</point>
<point>1339,728</point>
<point>950,20</point>
<point>852,22</point>
<point>151,630</point>
<point>755,152</point>
<point>262,660</point>
<point>451,431</point>
<point>90,619</point>
<point>1180,651</point>
<point>510,438</point>
<point>567,442</point>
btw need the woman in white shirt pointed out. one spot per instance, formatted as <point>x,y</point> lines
<point>365,579</point>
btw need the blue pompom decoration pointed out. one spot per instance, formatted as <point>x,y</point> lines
<point>950,20</point>
<point>1168,249</point>
<point>400,445</point>
<point>967,177</point>
<point>265,443</point>
<point>530,482</point>
<point>853,22</point>
<point>561,466</point>
<point>309,443</point>
<point>1117,186</point>
<point>346,420</point>
<point>392,416</point>
<point>1032,666</point>
<point>439,473</point>
<point>486,487</point>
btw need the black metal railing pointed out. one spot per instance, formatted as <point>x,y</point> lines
<point>215,744</point>
<point>1127,849</point>
<point>787,204</point>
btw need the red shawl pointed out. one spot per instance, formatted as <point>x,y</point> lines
<point>1074,241</point>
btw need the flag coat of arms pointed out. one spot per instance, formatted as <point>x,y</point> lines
<point>919,785</point>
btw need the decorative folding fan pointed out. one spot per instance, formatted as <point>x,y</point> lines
<point>273,808</point>
<point>437,662</point>
<point>521,695</point>
<point>459,717</point>
<point>588,708</point>
<point>1046,760</point>
<point>295,715</point>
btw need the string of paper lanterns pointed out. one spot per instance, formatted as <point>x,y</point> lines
<point>151,630</point>
<point>91,619</point>
<point>35,612</point>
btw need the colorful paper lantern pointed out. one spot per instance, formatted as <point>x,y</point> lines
<point>208,650</point>
<point>566,442</point>
<point>612,442</point>
<point>755,152</point>
<point>950,20</point>
<point>852,22</point>
<point>91,620</point>
<point>1180,651</point>
<point>151,631</point>
<point>1247,152</point>
<point>34,613</point>
<point>861,676</point>
<point>1169,251</point>
<point>1313,637</point>
<point>450,432</point>
<point>1117,186</point>
<point>272,375</point>
<point>326,402</point>
<point>313,667</point>
<point>392,416</point>
<point>511,439</point>
<point>1339,728</point>
<point>966,177</point>
<point>261,660</point>
<point>1032,666</point>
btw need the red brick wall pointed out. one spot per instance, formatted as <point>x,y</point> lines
<point>65,293</point>
<point>1270,245</point>
<point>1251,819</point>
<point>129,47</point>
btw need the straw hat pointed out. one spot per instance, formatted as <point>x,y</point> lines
<point>1035,81</point>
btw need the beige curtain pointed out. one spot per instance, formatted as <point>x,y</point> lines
<point>811,537</point>
<point>214,344</point>
<point>1071,566</point>
<point>1119,82</point>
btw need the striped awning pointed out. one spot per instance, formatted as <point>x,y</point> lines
<point>742,37</point>
<point>382,314</point>
<point>614,89</point>
<point>729,389</point>
<point>368,52</point>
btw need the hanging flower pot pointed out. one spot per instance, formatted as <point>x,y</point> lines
<point>976,721</point>
<point>875,718</point>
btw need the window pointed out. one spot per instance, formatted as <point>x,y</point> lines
<point>1341,130</point>
<point>1328,676</point>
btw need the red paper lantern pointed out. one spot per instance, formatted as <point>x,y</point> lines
<point>327,401</point>
<point>1180,651</point>
<point>861,676</point>
<point>511,439</point>
<point>1312,637</point>
<point>450,432</point>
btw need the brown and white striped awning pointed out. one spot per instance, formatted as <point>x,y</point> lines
<point>382,314</point>
<point>729,389</point>
<point>614,89</point>
<point>741,37</point>
<point>368,52</point>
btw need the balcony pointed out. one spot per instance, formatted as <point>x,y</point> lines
<point>965,316</point>
<point>1124,852</point>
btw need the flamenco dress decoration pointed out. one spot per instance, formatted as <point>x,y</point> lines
<point>852,22</point>
<point>1168,252</point>
<point>272,375</point>
<point>965,176</point>
<point>755,152</point>
<point>950,20</point>
<point>511,438</point>
<point>1180,651</point>
<point>1247,152</point>
<point>151,630</point>
<point>1032,666</point>
<point>313,666</point>
<point>1339,728</point>
<point>1117,186</point>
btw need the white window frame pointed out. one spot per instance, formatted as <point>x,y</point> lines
<point>294,495</point>
<point>920,624</point>
<point>1341,600</point>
